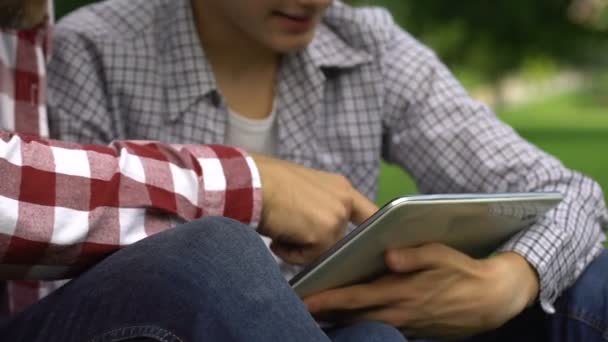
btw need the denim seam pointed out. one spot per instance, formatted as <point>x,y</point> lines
<point>596,325</point>
<point>129,332</point>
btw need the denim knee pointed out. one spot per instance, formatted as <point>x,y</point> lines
<point>215,229</point>
<point>220,234</point>
<point>206,248</point>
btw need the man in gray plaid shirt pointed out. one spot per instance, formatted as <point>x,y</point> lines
<point>317,85</point>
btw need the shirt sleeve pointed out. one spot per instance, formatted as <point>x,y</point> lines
<point>452,144</point>
<point>149,186</point>
<point>65,206</point>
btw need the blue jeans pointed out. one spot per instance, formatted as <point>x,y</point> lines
<point>214,280</point>
<point>209,280</point>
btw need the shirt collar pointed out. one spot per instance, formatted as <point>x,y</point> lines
<point>330,51</point>
<point>187,73</point>
<point>189,76</point>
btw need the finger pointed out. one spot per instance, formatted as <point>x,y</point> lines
<point>352,298</point>
<point>406,260</point>
<point>293,254</point>
<point>362,208</point>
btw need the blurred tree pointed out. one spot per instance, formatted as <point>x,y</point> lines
<point>593,13</point>
<point>63,7</point>
<point>495,37</point>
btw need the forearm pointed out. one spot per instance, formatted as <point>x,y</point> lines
<point>67,204</point>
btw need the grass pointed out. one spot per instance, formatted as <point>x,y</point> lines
<point>578,111</point>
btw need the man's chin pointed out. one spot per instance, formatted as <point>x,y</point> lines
<point>289,46</point>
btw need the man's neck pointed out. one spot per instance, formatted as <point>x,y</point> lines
<point>228,49</point>
<point>244,70</point>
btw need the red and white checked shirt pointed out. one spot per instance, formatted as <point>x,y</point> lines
<point>63,207</point>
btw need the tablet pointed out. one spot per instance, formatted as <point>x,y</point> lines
<point>475,224</point>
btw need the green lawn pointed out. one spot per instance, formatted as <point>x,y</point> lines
<point>573,128</point>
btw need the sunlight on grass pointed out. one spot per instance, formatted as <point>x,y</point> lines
<point>572,111</point>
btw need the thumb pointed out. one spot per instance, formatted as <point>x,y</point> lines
<point>362,208</point>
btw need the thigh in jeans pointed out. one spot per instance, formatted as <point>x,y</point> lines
<point>209,280</point>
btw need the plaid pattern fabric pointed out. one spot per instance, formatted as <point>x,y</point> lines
<point>362,90</point>
<point>65,206</point>
<point>22,80</point>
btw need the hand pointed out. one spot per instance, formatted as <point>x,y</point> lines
<point>306,211</point>
<point>436,292</point>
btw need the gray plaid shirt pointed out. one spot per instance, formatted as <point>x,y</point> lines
<point>363,90</point>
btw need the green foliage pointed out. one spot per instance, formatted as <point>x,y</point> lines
<point>496,37</point>
<point>62,7</point>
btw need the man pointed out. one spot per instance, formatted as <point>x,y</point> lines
<point>65,208</point>
<point>334,88</point>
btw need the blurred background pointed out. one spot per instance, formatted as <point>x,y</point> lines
<point>542,65</point>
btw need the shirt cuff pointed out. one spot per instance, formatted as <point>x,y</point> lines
<point>256,212</point>
<point>243,188</point>
<point>230,184</point>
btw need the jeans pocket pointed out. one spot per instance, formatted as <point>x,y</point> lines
<point>141,331</point>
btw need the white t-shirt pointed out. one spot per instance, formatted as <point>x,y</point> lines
<point>253,135</point>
